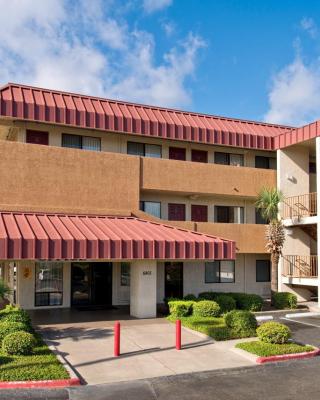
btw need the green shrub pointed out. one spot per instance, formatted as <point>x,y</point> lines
<point>284,300</point>
<point>191,297</point>
<point>207,296</point>
<point>241,322</point>
<point>226,303</point>
<point>18,343</point>
<point>206,308</point>
<point>247,301</point>
<point>180,308</point>
<point>9,327</point>
<point>17,315</point>
<point>273,332</point>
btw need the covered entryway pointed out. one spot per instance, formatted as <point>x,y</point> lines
<point>173,279</point>
<point>91,284</point>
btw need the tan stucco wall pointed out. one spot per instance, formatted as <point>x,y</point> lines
<point>188,177</point>
<point>51,178</point>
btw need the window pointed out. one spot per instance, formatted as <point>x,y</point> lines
<point>151,207</point>
<point>199,156</point>
<point>144,149</point>
<point>220,272</point>
<point>266,162</point>
<point>81,142</point>
<point>49,284</point>
<point>262,271</point>
<point>125,274</point>
<point>176,212</point>
<point>177,153</point>
<point>312,167</point>
<point>229,214</point>
<point>199,213</point>
<point>37,137</point>
<point>228,159</point>
<point>260,219</point>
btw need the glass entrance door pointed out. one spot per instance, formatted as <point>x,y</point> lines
<point>174,279</point>
<point>91,284</point>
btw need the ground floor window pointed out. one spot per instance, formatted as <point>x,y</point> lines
<point>49,284</point>
<point>219,272</point>
<point>262,270</point>
<point>125,274</point>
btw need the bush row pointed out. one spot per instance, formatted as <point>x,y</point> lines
<point>16,336</point>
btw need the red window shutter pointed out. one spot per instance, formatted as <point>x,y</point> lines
<point>37,137</point>
<point>199,213</point>
<point>199,156</point>
<point>176,212</point>
<point>177,153</point>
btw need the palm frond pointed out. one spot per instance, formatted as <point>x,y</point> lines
<point>268,203</point>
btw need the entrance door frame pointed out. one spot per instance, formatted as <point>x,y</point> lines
<point>180,289</point>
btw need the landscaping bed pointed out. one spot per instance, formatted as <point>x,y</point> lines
<point>272,349</point>
<point>23,354</point>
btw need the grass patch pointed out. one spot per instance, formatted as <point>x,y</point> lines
<point>211,326</point>
<point>269,349</point>
<point>42,364</point>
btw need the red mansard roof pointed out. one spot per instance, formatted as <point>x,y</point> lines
<point>59,236</point>
<point>44,105</point>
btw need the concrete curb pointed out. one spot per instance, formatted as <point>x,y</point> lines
<point>285,357</point>
<point>303,315</point>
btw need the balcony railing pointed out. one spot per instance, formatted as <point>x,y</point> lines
<point>304,205</point>
<point>300,266</point>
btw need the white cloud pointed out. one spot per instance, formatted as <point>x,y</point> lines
<point>168,27</point>
<point>294,97</point>
<point>308,25</point>
<point>151,6</point>
<point>84,48</point>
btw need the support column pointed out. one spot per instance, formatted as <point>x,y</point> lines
<point>318,206</point>
<point>143,289</point>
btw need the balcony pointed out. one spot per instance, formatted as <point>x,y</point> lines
<point>304,267</point>
<point>189,178</point>
<point>297,207</point>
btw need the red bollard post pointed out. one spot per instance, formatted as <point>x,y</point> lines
<point>116,349</point>
<point>178,334</point>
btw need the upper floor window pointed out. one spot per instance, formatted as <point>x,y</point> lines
<point>177,153</point>
<point>229,214</point>
<point>151,207</point>
<point>144,149</point>
<point>260,219</point>
<point>81,142</point>
<point>176,212</point>
<point>199,213</point>
<point>266,162</point>
<point>37,137</point>
<point>199,156</point>
<point>228,159</point>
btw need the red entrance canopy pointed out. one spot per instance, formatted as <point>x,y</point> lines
<point>59,236</point>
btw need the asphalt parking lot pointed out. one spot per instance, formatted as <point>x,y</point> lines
<point>304,329</point>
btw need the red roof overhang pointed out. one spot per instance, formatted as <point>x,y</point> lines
<point>58,236</point>
<point>55,107</point>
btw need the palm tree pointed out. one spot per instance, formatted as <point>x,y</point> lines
<point>4,290</point>
<point>268,203</point>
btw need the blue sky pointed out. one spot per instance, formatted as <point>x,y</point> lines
<point>251,59</point>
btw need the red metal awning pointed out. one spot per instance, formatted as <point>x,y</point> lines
<point>56,107</point>
<point>59,236</point>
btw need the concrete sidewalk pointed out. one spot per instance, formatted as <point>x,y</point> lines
<point>147,350</point>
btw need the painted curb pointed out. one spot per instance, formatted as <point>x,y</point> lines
<point>40,384</point>
<point>303,315</point>
<point>285,357</point>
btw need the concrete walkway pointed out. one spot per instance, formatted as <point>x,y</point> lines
<point>147,348</point>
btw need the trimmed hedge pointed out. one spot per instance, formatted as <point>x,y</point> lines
<point>206,308</point>
<point>273,332</point>
<point>208,296</point>
<point>190,297</point>
<point>17,316</point>
<point>180,308</point>
<point>18,343</point>
<point>242,323</point>
<point>226,303</point>
<point>247,301</point>
<point>9,327</point>
<point>283,300</point>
